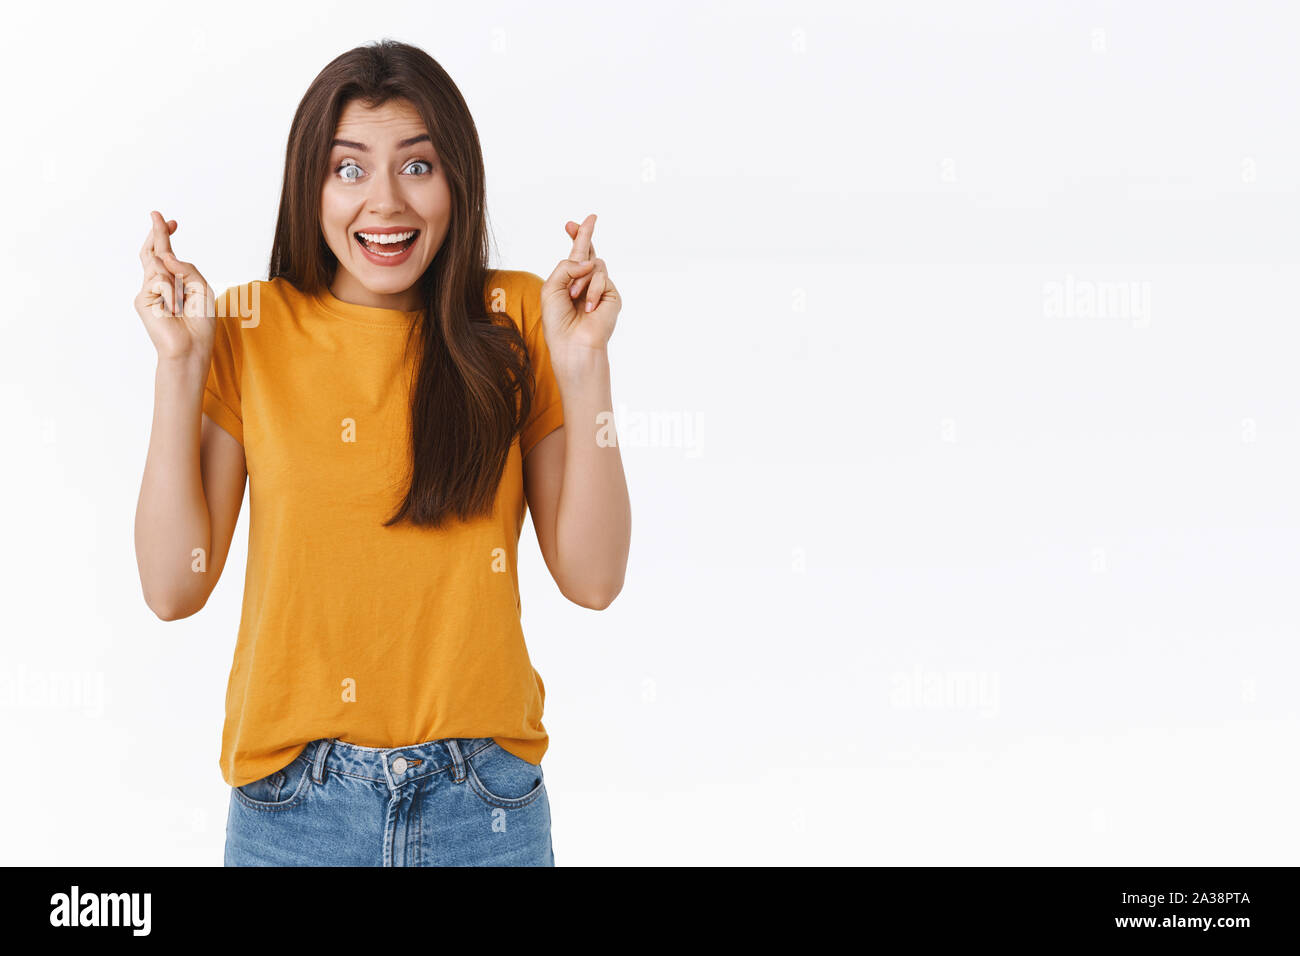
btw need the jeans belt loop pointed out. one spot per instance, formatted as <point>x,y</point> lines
<point>458,761</point>
<point>318,765</point>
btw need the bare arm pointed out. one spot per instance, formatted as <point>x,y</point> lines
<point>574,476</point>
<point>194,476</point>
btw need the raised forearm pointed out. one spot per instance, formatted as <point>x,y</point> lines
<point>171,518</point>
<point>594,516</point>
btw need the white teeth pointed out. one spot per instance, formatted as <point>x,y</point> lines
<point>387,238</point>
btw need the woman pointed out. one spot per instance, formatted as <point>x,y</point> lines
<point>394,405</point>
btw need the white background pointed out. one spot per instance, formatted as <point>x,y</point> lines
<point>938,573</point>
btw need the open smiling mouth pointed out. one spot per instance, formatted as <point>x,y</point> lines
<point>386,246</point>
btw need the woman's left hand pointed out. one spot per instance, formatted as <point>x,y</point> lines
<point>579,302</point>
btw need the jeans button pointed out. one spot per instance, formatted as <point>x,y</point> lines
<point>399,765</point>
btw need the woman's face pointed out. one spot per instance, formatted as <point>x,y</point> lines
<point>383,180</point>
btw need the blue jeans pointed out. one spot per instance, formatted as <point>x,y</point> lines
<point>460,801</point>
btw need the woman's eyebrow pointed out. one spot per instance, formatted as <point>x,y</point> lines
<point>349,144</point>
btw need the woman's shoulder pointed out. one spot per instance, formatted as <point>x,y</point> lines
<point>247,302</point>
<point>518,293</point>
<point>518,281</point>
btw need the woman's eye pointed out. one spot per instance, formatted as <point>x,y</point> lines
<point>420,162</point>
<point>343,171</point>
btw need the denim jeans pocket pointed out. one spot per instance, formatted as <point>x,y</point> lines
<point>279,790</point>
<point>500,779</point>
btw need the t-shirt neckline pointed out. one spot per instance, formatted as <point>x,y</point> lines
<point>364,314</point>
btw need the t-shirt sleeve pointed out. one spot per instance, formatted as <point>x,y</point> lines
<point>547,412</point>
<point>221,400</point>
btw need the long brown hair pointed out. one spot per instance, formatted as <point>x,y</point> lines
<point>473,388</point>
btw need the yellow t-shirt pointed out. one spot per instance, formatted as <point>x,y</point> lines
<point>382,637</point>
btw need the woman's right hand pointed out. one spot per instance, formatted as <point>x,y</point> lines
<point>175,303</point>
